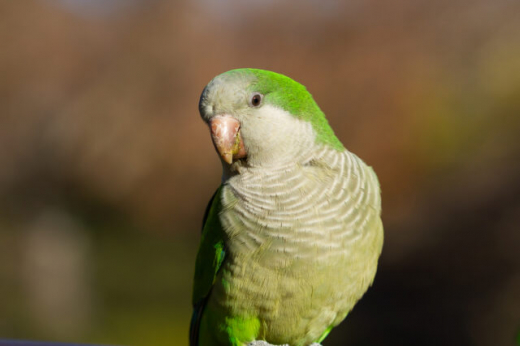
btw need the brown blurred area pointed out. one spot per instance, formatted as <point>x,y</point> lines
<point>106,168</point>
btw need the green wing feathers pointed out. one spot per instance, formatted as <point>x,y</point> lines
<point>211,251</point>
<point>209,259</point>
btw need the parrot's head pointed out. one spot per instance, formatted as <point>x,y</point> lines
<point>262,118</point>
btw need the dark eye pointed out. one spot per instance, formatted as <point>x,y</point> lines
<point>256,100</point>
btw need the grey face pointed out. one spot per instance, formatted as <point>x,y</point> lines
<point>227,94</point>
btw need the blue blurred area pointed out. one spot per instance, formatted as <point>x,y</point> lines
<point>94,8</point>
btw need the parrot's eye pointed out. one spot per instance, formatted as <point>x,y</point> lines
<point>256,100</point>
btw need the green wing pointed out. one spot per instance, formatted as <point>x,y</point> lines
<point>209,259</point>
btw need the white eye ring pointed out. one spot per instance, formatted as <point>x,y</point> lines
<point>255,100</point>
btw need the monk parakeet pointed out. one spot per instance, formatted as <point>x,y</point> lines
<point>292,236</point>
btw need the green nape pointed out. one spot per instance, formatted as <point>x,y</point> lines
<point>293,97</point>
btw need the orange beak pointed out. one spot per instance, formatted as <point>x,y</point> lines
<point>225,133</point>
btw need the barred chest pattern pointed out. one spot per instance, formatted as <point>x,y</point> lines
<point>323,203</point>
<point>289,231</point>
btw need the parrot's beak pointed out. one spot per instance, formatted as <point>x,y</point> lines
<point>225,133</point>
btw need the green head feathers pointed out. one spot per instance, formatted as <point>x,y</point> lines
<point>289,95</point>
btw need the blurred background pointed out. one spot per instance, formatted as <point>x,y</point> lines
<point>106,167</point>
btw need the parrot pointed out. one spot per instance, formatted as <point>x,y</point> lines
<point>292,236</point>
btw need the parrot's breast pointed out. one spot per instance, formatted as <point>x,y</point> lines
<point>302,245</point>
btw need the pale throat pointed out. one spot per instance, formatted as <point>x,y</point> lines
<point>274,138</point>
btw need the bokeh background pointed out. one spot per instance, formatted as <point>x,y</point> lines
<point>106,168</point>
